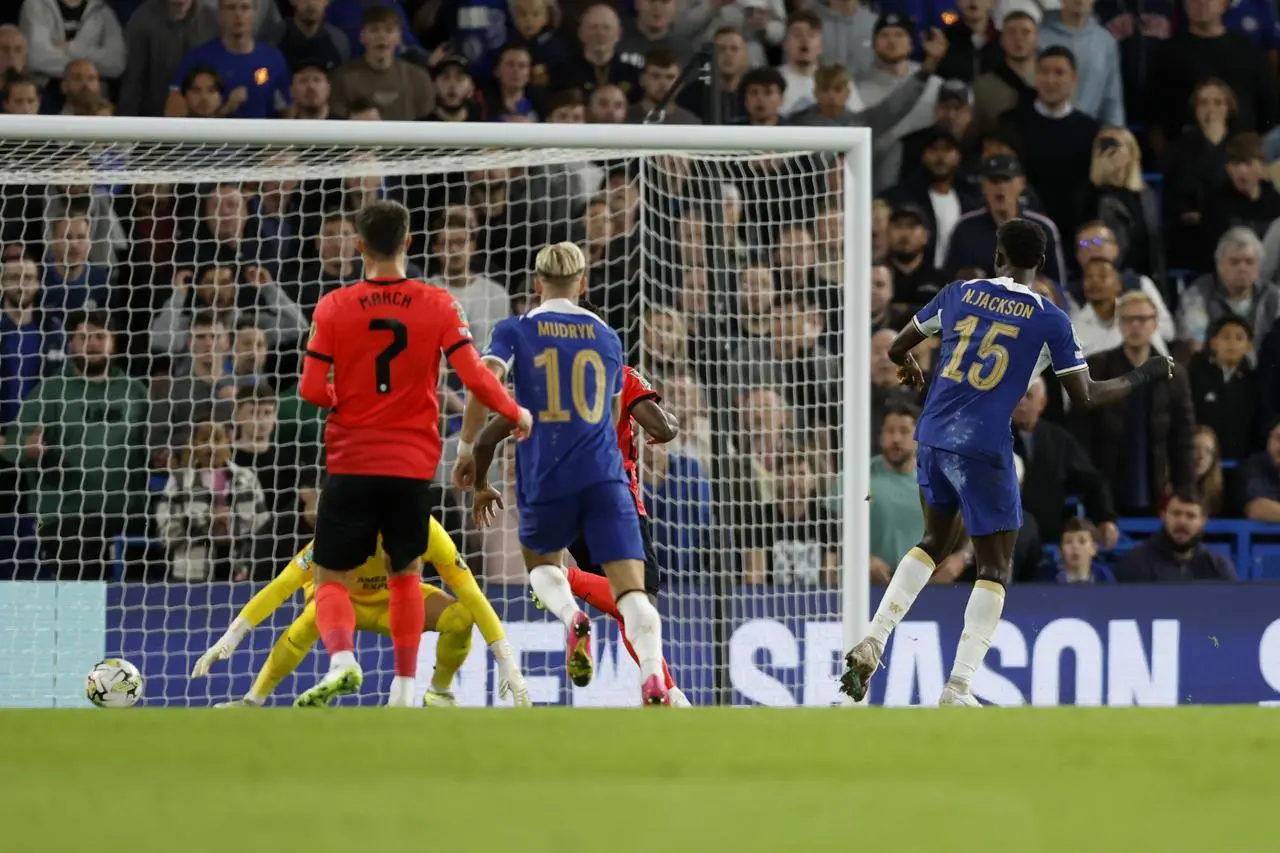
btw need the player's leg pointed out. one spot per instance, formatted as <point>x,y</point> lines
<point>405,509</point>
<point>652,586</point>
<point>289,651</point>
<point>992,510</point>
<point>545,531</point>
<point>443,554</point>
<point>589,583</point>
<point>454,622</point>
<point>594,590</point>
<point>549,580</point>
<point>612,528</point>
<point>346,535</point>
<point>943,532</point>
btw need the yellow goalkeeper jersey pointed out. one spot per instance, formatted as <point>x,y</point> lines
<point>369,584</point>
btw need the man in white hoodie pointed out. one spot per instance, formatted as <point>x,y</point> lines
<point>61,31</point>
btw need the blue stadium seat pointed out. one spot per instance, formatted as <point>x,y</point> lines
<point>1266,562</point>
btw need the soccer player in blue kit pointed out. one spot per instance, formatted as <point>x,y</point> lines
<point>997,335</point>
<point>567,366</point>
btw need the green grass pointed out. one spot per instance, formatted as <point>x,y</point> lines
<point>1024,780</point>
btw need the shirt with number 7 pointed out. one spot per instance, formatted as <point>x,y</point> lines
<point>374,359</point>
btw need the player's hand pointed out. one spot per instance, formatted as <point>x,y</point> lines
<point>524,425</point>
<point>488,502</point>
<point>1158,368</point>
<point>464,472</point>
<point>910,374</point>
<point>220,650</point>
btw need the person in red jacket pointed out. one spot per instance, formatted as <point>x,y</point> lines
<point>374,360</point>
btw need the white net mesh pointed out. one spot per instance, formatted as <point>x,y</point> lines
<point>175,461</point>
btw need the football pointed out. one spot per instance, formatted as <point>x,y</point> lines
<point>114,683</point>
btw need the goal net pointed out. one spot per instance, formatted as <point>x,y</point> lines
<point>160,468</point>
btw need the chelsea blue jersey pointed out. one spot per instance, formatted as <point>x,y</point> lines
<point>567,366</point>
<point>997,336</point>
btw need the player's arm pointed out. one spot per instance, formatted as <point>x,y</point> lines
<point>466,468</point>
<point>487,443</point>
<point>262,605</point>
<point>660,425</point>
<point>487,500</point>
<point>923,326</point>
<point>475,409</point>
<point>926,323</point>
<point>1086,392</point>
<point>314,387</point>
<point>498,356</point>
<point>909,337</point>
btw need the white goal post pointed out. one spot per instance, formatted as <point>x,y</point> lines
<point>284,180</point>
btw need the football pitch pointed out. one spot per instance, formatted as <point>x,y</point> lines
<point>706,780</point>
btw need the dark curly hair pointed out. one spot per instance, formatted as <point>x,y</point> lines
<point>1022,242</point>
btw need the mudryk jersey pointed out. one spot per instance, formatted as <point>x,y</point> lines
<point>567,368</point>
<point>997,336</point>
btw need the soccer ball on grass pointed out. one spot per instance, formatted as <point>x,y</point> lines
<point>114,683</point>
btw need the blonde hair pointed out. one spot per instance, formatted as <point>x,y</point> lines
<point>831,77</point>
<point>560,265</point>
<point>1098,166</point>
<point>1133,296</point>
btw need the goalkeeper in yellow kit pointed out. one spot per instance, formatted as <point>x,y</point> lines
<point>452,619</point>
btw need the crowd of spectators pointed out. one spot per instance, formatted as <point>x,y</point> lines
<point>151,333</point>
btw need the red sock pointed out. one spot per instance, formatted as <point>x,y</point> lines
<point>335,617</point>
<point>594,590</point>
<point>405,613</point>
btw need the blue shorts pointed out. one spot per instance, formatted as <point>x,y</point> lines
<point>604,514</point>
<point>986,495</point>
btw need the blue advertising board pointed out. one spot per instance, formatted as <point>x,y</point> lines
<point>1125,645</point>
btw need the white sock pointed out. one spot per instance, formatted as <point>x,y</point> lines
<point>343,659</point>
<point>981,617</point>
<point>911,576</point>
<point>551,585</point>
<point>402,685</point>
<point>254,699</point>
<point>644,627</point>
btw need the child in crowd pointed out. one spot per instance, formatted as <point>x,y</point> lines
<point>1079,548</point>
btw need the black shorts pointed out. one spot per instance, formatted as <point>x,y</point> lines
<point>652,571</point>
<point>355,508</point>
